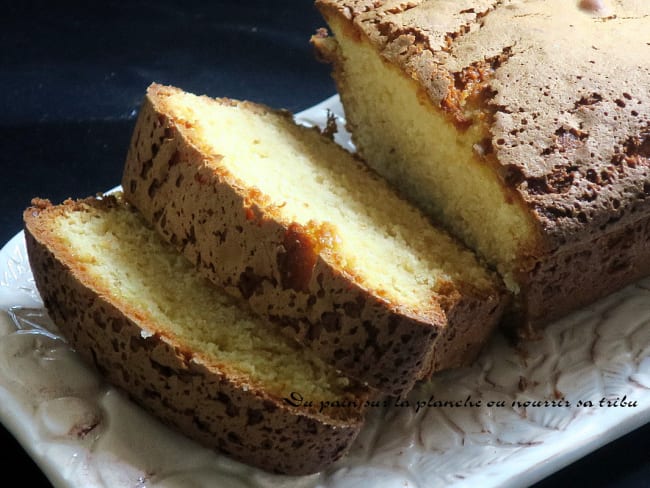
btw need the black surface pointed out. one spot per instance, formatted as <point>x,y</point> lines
<point>72,77</point>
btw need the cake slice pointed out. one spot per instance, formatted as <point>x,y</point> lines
<point>138,311</point>
<point>522,126</point>
<point>284,218</point>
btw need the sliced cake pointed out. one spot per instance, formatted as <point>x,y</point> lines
<point>139,312</point>
<point>281,216</point>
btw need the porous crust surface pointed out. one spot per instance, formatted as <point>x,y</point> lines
<point>565,281</point>
<point>565,85</point>
<point>237,242</point>
<point>560,91</point>
<point>180,386</point>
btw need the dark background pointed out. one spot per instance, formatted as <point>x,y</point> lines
<point>72,76</point>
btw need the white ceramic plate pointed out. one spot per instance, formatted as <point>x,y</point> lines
<point>82,432</point>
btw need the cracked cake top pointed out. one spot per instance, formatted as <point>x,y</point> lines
<point>561,87</point>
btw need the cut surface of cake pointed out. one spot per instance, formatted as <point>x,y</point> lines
<point>138,311</point>
<point>523,126</point>
<point>285,218</point>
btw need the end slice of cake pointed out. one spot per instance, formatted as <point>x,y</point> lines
<point>283,217</point>
<point>139,312</point>
<point>522,126</point>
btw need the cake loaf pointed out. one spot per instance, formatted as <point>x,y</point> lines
<point>139,312</point>
<point>283,217</point>
<point>522,125</point>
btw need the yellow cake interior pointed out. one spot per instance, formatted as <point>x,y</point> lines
<point>126,259</point>
<point>423,153</point>
<point>384,243</point>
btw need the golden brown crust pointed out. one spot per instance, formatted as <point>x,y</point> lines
<point>589,270</point>
<point>463,102</point>
<point>569,120</point>
<point>459,345</point>
<point>276,266</point>
<point>184,389</point>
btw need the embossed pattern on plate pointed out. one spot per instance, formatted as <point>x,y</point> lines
<point>486,425</point>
